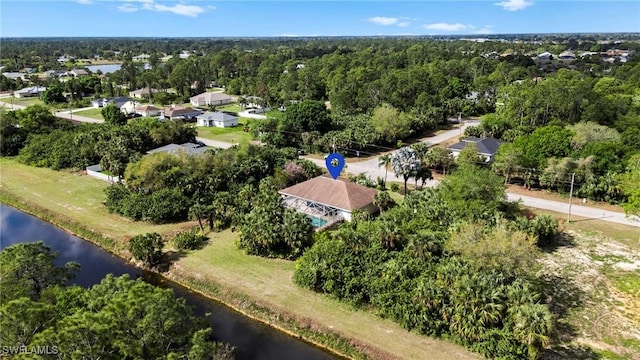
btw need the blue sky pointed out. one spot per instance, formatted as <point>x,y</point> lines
<point>205,18</point>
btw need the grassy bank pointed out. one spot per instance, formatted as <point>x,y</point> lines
<point>261,288</point>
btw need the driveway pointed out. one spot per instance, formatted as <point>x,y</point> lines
<point>68,114</point>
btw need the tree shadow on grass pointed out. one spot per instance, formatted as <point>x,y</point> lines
<point>562,240</point>
<point>171,256</point>
<point>569,352</point>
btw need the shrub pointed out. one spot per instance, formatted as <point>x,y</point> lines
<point>188,240</point>
<point>545,228</point>
<point>395,187</point>
<point>146,248</point>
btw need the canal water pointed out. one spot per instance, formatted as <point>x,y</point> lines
<point>252,339</point>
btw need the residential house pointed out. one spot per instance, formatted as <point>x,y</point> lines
<point>143,93</point>
<point>545,56</point>
<point>175,149</point>
<point>64,59</point>
<point>55,73</point>
<point>179,112</point>
<point>33,91</point>
<point>487,147</point>
<point>211,99</point>
<point>567,55</point>
<point>328,200</point>
<point>148,111</point>
<point>14,75</point>
<point>129,107</point>
<point>77,72</point>
<point>217,119</point>
<point>141,57</point>
<point>117,101</point>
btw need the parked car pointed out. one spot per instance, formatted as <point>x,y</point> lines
<point>133,115</point>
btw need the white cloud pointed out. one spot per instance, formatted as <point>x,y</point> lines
<point>127,8</point>
<point>179,9</point>
<point>445,27</point>
<point>289,35</point>
<point>151,5</point>
<point>514,5</point>
<point>381,20</point>
<point>404,23</point>
<point>84,2</point>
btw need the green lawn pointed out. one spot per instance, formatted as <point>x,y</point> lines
<point>229,107</point>
<point>22,101</point>
<point>95,113</point>
<point>74,195</point>
<point>234,134</point>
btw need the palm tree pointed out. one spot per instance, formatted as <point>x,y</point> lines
<point>405,163</point>
<point>383,201</point>
<point>533,326</point>
<point>385,160</point>
<point>424,174</point>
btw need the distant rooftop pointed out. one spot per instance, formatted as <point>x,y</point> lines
<point>174,149</point>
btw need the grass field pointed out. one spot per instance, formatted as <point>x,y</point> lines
<point>232,135</point>
<point>269,281</point>
<point>73,195</point>
<point>95,113</point>
<point>22,101</point>
<point>230,107</point>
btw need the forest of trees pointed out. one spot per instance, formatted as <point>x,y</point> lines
<point>116,319</point>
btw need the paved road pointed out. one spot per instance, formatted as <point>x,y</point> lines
<point>215,143</point>
<point>68,114</point>
<point>370,167</point>
<point>577,210</point>
<point>11,106</point>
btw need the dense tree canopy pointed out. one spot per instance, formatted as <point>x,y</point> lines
<point>118,318</point>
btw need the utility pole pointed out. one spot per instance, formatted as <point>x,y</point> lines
<point>573,177</point>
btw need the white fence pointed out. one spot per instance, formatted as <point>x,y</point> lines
<point>96,172</point>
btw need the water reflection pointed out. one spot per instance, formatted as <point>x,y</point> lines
<point>253,339</point>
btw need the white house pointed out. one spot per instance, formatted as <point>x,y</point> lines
<point>217,119</point>
<point>148,110</point>
<point>329,200</point>
<point>545,56</point>
<point>179,112</point>
<point>141,57</point>
<point>14,75</point>
<point>211,99</point>
<point>117,101</point>
<point>143,93</point>
<point>129,107</point>
<point>33,91</point>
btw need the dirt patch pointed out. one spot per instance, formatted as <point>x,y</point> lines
<point>593,314</point>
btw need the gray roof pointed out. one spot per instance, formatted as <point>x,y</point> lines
<point>487,146</point>
<point>174,149</point>
<point>32,90</point>
<point>13,75</point>
<point>217,116</point>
